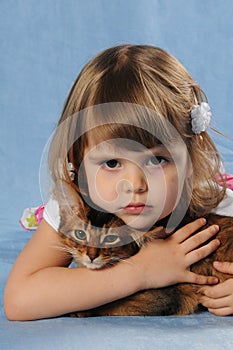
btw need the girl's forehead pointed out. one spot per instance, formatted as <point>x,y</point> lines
<point>133,150</point>
<point>122,148</point>
<point>119,146</point>
<point>121,137</point>
<point>115,140</point>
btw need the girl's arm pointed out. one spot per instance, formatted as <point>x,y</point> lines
<point>40,285</point>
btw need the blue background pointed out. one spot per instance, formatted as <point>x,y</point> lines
<point>43,46</point>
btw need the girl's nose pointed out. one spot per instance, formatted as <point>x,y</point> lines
<point>134,180</point>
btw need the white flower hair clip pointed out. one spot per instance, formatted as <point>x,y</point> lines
<point>200,117</point>
<point>70,168</point>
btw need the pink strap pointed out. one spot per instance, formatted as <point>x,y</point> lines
<point>229,180</point>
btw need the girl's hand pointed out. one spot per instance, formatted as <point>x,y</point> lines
<point>219,299</point>
<point>167,262</point>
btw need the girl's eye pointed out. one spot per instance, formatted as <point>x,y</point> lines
<point>112,164</point>
<point>111,239</point>
<point>80,234</point>
<point>154,161</point>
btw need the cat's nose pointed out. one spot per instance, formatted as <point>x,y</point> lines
<point>93,254</point>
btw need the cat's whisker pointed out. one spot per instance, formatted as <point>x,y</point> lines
<point>61,247</point>
<point>126,261</point>
<point>66,249</point>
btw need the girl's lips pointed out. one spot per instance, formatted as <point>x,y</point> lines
<point>136,208</point>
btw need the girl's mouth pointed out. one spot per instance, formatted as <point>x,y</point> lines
<point>136,208</point>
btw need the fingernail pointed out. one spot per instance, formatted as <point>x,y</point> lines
<point>215,228</point>
<point>217,264</point>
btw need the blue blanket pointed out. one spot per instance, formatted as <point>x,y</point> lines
<point>202,331</point>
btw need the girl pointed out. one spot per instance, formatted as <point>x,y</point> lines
<point>133,131</point>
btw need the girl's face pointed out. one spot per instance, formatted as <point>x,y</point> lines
<point>139,186</point>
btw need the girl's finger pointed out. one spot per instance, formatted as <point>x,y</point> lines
<point>220,306</point>
<point>224,266</point>
<point>215,303</point>
<point>200,279</point>
<point>221,312</point>
<point>186,231</point>
<point>199,238</point>
<point>200,253</point>
<point>221,290</point>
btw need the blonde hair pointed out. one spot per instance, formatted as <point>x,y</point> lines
<point>146,76</point>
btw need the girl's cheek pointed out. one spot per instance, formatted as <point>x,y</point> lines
<point>105,190</point>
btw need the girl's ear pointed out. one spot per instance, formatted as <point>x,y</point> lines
<point>69,200</point>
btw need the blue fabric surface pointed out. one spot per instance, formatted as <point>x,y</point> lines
<point>203,331</point>
<point>43,46</point>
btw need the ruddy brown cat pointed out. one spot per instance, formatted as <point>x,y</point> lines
<point>97,248</point>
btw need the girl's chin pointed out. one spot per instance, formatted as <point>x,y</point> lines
<point>139,224</point>
<point>142,222</point>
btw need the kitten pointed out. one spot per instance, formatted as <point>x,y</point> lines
<point>97,248</point>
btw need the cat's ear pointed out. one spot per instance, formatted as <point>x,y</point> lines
<point>69,200</point>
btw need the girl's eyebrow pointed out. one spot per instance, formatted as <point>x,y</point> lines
<point>158,148</point>
<point>111,151</point>
<point>105,148</point>
<point>102,151</point>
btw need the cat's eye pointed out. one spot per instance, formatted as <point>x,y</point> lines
<point>80,234</point>
<point>111,239</point>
